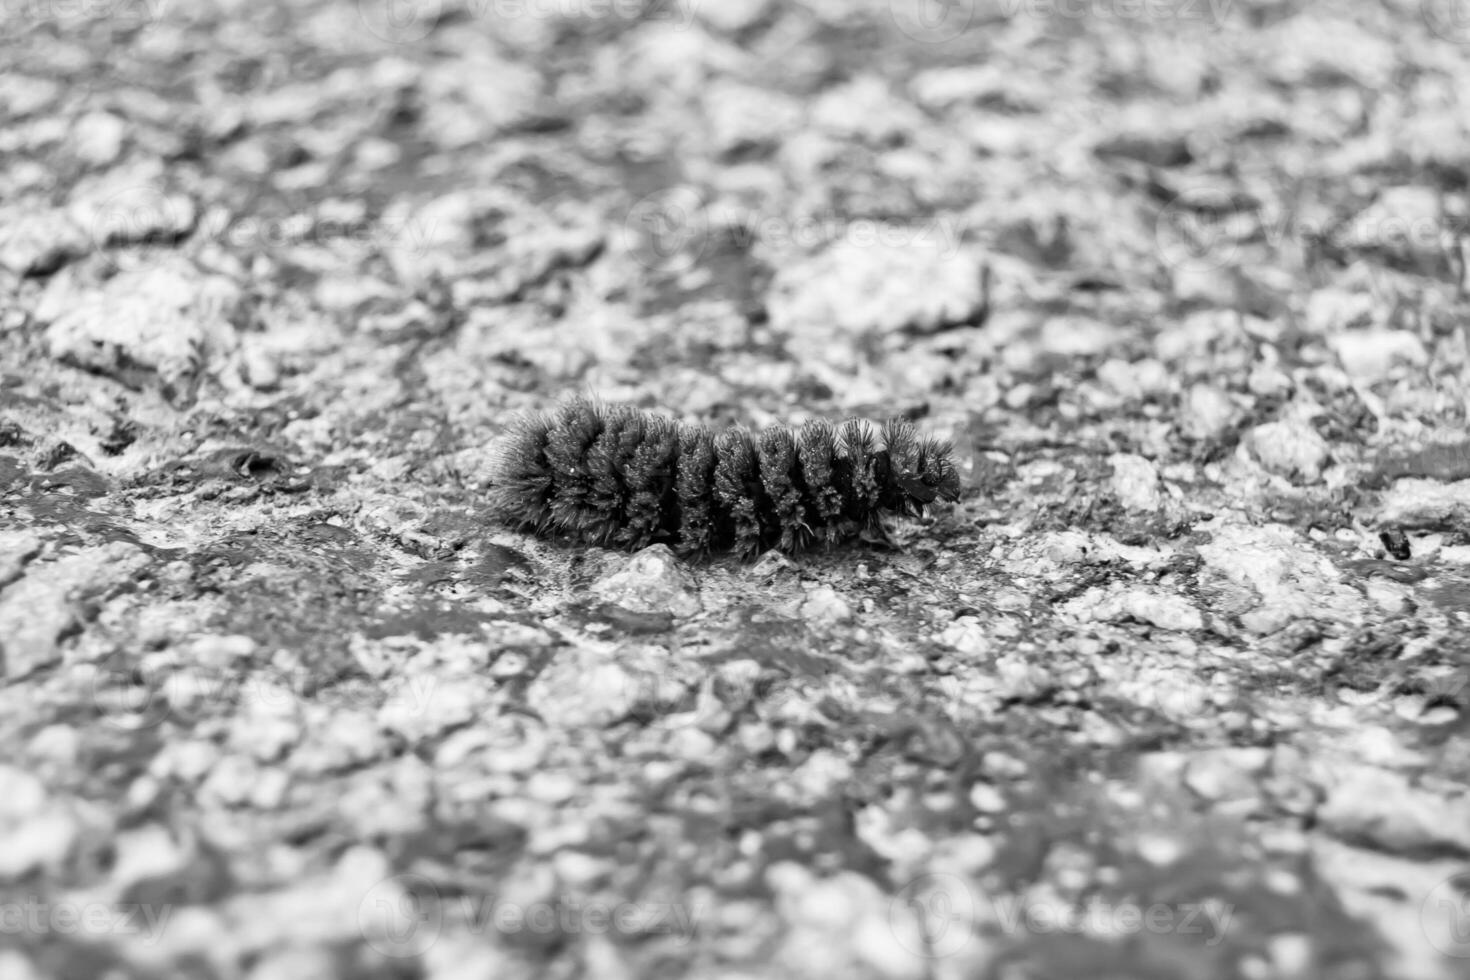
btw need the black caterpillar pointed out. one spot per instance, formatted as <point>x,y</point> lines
<point>618,477</point>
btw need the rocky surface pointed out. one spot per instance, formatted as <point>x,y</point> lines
<point>1179,689</point>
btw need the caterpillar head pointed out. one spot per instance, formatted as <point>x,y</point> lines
<point>919,467</point>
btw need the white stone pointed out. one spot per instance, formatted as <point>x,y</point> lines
<point>1120,603</point>
<point>859,287</point>
<point>844,926</point>
<point>732,15</point>
<point>1331,310</point>
<point>1134,379</point>
<point>1383,807</point>
<point>1169,612</point>
<point>1291,580</point>
<point>168,320</point>
<point>37,610</point>
<point>39,842</point>
<point>1159,849</point>
<point>746,115</point>
<point>1206,411</point>
<point>1135,481</point>
<point>1291,448</point>
<point>824,607</point>
<point>652,581</point>
<point>15,965</point>
<point>97,137</point>
<point>22,794</point>
<point>1416,501</point>
<point>1369,355</point>
<point>866,109</point>
<point>986,798</point>
<point>967,635</point>
<point>131,203</point>
<point>38,240</point>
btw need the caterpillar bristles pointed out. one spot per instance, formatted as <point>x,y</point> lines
<point>617,477</point>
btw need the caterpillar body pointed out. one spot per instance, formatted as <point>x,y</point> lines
<point>615,476</point>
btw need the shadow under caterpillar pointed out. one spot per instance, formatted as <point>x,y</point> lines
<point>618,477</point>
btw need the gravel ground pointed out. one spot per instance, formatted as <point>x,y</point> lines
<point>1179,689</point>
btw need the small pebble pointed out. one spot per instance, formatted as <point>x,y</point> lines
<point>652,581</point>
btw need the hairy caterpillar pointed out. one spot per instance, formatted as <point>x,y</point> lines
<point>618,477</point>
